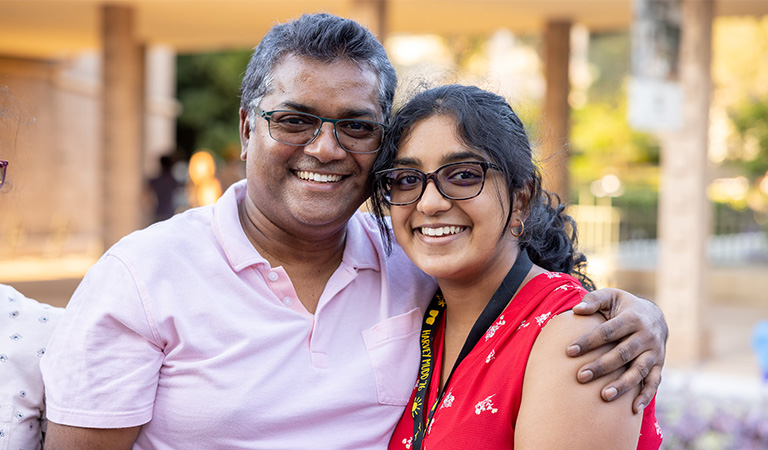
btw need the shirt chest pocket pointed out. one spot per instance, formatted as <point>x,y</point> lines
<point>393,348</point>
<point>6,415</point>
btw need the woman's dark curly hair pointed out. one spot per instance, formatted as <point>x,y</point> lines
<point>488,124</point>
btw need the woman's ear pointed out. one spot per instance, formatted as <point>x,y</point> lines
<point>520,205</point>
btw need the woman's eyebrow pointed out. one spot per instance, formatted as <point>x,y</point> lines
<point>461,156</point>
<point>406,162</point>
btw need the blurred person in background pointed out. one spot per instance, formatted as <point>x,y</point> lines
<point>25,328</point>
<point>273,318</point>
<point>165,190</point>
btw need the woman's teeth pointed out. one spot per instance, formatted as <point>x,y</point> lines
<point>441,231</point>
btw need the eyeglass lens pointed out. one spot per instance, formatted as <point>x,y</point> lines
<point>456,181</point>
<point>353,135</point>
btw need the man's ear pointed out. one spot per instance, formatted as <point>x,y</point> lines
<point>245,134</point>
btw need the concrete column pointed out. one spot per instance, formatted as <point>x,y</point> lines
<point>122,122</point>
<point>555,149</point>
<point>161,107</point>
<point>684,212</point>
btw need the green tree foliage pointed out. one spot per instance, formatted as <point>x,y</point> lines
<point>601,138</point>
<point>750,121</point>
<point>209,91</point>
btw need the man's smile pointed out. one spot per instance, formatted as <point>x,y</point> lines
<point>318,177</point>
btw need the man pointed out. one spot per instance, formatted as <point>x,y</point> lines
<point>272,319</point>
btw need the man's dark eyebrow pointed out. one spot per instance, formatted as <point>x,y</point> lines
<point>345,114</point>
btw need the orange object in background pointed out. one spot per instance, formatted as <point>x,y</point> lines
<point>205,188</point>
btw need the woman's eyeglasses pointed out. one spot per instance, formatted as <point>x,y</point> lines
<point>3,167</point>
<point>455,181</point>
<point>299,129</point>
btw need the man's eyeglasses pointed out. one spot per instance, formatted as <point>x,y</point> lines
<point>299,129</point>
<point>3,166</point>
<point>455,181</point>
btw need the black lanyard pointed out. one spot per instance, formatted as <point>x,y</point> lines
<point>492,310</point>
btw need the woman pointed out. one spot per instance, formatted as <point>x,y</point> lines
<point>467,206</point>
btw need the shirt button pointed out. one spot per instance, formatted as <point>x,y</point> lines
<point>273,276</point>
<point>287,301</point>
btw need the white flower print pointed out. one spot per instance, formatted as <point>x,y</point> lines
<point>523,324</point>
<point>495,327</point>
<point>408,442</point>
<point>448,401</point>
<point>486,405</point>
<point>551,275</point>
<point>658,430</point>
<point>542,319</point>
<point>564,287</point>
<point>491,356</point>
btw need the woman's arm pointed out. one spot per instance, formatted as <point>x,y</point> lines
<point>556,410</point>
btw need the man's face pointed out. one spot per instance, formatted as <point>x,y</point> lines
<point>318,186</point>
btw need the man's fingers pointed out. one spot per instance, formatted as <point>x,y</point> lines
<point>642,368</point>
<point>595,301</point>
<point>650,385</point>
<point>605,333</point>
<point>617,357</point>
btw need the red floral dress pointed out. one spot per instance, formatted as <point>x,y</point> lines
<point>482,399</point>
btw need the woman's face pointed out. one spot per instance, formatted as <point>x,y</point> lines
<point>455,240</point>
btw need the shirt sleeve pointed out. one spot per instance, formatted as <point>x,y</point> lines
<point>102,364</point>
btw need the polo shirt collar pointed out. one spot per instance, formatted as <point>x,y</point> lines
<point>362,248</point>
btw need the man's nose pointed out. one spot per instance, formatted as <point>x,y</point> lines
<point>325,147</point>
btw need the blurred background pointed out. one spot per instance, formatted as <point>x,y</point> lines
<point>649,116</point>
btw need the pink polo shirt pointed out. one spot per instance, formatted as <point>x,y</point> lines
<point>183,327</point>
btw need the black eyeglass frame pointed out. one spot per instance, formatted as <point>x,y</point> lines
<point>3,168</point>
<point>425,177</point>
<point>267,115</point>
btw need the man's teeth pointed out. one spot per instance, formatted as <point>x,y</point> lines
<point>318,177</point>
<point>441,231</point>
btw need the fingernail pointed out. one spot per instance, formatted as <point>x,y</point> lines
<point>573,350</point>
<point>581,305</point>
<point>640,407</point>
<point>610,393</point>
<point>585,375</point>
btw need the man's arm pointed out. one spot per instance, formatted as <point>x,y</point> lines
<point>639,327</point>
<point>62,437</point>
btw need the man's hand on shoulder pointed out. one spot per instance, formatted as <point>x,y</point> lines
<point>640,331</point>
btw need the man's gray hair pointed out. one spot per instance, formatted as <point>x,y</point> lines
<point>321,37</point>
